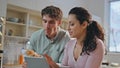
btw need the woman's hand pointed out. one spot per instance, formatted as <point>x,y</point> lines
<point>51,63</point>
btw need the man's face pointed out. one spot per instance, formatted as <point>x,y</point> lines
<point>50,25</point>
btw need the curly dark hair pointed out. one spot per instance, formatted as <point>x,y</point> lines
<point>93,29</point>
<point>53,12</point>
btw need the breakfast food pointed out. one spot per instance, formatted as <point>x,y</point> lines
<point>32,53</point>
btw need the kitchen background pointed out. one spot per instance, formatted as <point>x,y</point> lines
<point>26,14</point>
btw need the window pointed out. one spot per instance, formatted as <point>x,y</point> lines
<point>114,26</point>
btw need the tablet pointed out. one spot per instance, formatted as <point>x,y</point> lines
<point>36,62</point>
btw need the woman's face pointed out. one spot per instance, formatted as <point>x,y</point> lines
<point>76,30</point>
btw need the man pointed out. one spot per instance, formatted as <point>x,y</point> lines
<point>51,39</point>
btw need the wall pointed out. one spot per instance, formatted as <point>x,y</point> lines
<point>96,7</point>
<point>65,5</point>
<point>3,6</point>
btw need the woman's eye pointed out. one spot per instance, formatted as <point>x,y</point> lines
<point>72,24</point>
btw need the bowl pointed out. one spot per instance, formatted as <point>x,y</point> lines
<point>13,19</point>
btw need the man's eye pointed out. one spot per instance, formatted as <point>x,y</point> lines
<point>44,21</point>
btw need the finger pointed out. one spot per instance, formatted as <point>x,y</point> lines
<point>51,63</point>
<point>54,65</point>
<point>48,57</point>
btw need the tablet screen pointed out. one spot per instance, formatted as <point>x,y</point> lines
<point>36,62</point>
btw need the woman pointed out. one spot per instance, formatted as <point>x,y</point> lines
<point>87,49</point>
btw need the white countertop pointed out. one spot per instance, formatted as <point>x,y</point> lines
<point>104,66</point>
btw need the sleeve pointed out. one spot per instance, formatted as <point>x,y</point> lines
<point>65,56</point>
<point>95,58</point>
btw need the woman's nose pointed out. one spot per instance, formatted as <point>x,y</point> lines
<point>68,27</point>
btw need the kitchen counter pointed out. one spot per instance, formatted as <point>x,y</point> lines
<point>12,66</point>
<point>104,66</point>
<point>20,66</point>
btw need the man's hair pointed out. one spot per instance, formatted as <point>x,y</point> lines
<point>53,12</point>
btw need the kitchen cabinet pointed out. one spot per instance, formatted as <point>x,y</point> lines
<point>64,24</point>
<point>22,22</point>
<point>34,22</point>
<point>19,25</point>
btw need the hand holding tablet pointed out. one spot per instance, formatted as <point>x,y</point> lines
<point>34,60</point>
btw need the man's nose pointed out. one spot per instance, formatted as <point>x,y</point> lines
<point>47,24</point>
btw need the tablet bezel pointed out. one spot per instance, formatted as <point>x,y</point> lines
<point>36,62</point>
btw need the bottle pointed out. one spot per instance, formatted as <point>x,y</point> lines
<point>21,57</point>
